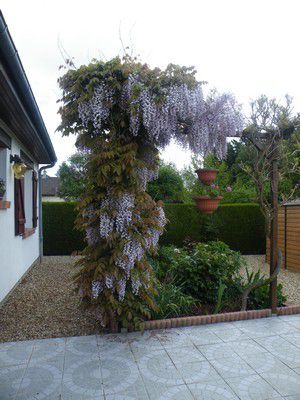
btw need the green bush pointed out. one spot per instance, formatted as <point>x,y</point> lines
<point>259,298</point>
<point>172,302</point>
<point>162,263</point>
<point>241,226</point>
<point>212,270</point>
<point>201,271</point>
<point>60,236</point>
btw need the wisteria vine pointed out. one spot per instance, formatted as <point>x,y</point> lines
<point>123,113</point>
<point>183,114</point>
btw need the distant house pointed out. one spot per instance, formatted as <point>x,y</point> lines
<point>50,188</point>
<point>24,145</point>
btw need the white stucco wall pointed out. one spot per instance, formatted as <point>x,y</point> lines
<point>16,254</point>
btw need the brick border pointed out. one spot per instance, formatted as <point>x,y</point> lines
<point>214,318</point>
<point>289,310</point>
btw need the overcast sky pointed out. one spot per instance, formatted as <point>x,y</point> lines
<point>247,47</point>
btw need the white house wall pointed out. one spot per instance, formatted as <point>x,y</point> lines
<point>16,254</point>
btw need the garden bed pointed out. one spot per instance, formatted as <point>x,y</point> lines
<point>44,304</point>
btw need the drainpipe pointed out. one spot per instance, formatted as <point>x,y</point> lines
<point>41,235</point>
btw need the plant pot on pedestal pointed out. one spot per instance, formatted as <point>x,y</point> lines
<point>206,204</point>
<point>207,176</point>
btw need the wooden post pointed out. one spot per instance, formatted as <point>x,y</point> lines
<point>274,229</point>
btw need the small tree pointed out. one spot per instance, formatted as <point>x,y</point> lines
<point>275,123</point>
<point>271,124</point>
<point>123,112</point>
<point>168,186</point>
<point>72,175</point>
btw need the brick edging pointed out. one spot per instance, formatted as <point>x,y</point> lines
<point>289,310</point>
<point>210,319</point>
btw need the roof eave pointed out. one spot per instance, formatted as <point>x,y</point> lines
<point>21,84</point>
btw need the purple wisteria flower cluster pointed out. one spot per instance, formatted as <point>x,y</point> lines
<point>97,109</point>
<point>118,215</point>
<point>202,124</point>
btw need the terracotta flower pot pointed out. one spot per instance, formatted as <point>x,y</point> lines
<point>207,205</point>
<point>207,176</point>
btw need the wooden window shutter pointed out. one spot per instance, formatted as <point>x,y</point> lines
<point>34,199</point>
<point>19,207</point>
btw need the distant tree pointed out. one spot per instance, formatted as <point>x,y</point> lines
<point>232,152</point>
<point>72,175</point>
<point>169,186</point>
<point>276,121</point>
<point>190,179</point>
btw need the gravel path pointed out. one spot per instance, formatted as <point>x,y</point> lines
<point>45,304</point>
<point>290,280</point>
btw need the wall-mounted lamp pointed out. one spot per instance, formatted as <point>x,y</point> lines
<point>19,168</point>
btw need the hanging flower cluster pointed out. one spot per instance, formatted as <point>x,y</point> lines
<point>177,112</point>
<point>97,109</point>
<point>124,112</point>
<point>118,214</point>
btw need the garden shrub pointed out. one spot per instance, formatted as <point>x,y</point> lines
<point>172,302</point>
<point>162,263</point>
<point>202,271</point>
<point>241,226</point>
<point>259,298</point>
<point>209,273</point>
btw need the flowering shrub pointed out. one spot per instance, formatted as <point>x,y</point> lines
<point>123,113</point>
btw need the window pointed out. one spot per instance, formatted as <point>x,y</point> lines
<point>34,199</point>
<point>26,201</point>
<point>19,207</point>
<point>28,198</point>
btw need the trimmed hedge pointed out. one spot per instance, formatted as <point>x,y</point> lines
<point>241,226</point>
<point>60,236</point>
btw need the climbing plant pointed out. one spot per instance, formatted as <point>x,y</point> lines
<point>124,112</point>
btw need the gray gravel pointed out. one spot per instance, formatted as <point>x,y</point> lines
<point>290,280</point>
<point>45,304</point>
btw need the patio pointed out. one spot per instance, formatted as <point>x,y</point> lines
<point>254,359</point>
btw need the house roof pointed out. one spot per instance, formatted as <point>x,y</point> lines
<point>18,107</point>
<point>50,186</point>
